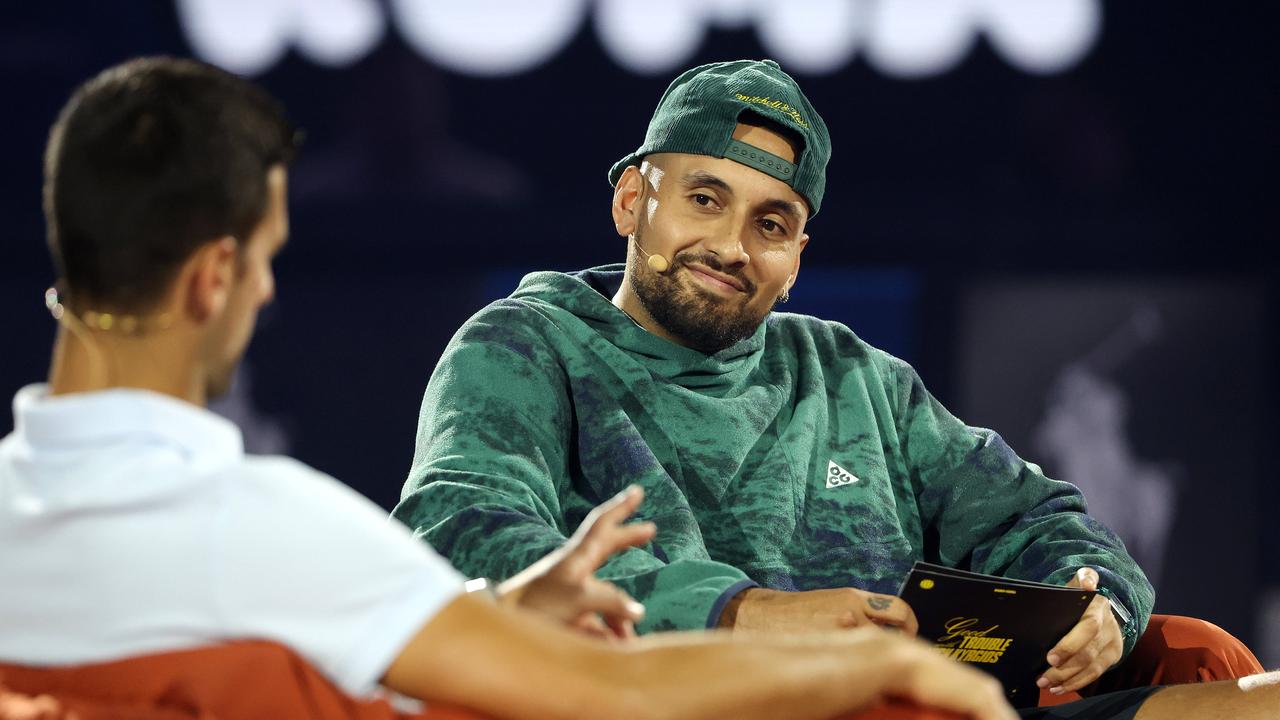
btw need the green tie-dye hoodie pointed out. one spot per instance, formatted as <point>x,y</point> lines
<point>552,400</point>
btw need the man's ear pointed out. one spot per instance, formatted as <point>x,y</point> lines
<point>209,275</point>
<point>626,200</point>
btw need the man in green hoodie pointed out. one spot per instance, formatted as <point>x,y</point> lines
<point>795,472</point>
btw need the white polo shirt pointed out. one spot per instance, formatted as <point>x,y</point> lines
<point>132,522</point>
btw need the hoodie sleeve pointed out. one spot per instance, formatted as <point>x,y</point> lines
<point>490,488</point>
<point>995,513</point>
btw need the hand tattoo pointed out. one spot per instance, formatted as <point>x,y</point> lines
<point>879,603</point>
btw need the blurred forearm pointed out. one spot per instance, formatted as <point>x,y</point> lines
<point>1226,700</point>
<point>510,664</point>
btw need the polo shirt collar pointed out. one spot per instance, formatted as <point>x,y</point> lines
<point>104,416</point>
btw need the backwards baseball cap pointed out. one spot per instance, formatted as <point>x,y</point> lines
<point>699,111</point>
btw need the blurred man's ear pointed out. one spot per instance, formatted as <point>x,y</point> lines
<point>208,277</point>
<point>626,197</point>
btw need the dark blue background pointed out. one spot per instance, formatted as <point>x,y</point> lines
<point>422,194</point>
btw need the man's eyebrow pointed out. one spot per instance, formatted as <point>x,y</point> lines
<point>701,178</point>
<point>783,207</point>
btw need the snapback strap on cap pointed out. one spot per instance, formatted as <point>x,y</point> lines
<point>765,162</point>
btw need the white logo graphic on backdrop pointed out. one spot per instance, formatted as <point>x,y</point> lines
<point>1085,431</point>
<point>900,38</point>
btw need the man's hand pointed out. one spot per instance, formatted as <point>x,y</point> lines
<point>816,610</point>
<point>1092,646</point>
<point>925,677</point>
<point>563,584</point>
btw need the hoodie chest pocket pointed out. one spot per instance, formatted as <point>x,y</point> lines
<point>848,534</point>
<point>849,504</point>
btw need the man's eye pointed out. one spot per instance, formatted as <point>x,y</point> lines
<point>703,200</point>
<point>770,226</point>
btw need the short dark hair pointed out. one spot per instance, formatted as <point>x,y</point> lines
<point>148,161</point>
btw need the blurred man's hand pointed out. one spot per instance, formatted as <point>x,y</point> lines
<point>563,584</point>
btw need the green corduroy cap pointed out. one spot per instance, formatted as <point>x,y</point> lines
<point>699,111</point>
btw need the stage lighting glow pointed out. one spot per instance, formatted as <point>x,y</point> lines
<point>249,36</point>
<point>489,37</point>
<point>899,38</point>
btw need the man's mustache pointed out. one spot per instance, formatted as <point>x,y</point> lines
<point>714,263</point>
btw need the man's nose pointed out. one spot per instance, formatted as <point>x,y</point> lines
<point>726,243</point>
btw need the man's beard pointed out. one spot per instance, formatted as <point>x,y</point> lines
<point>696,317</point>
